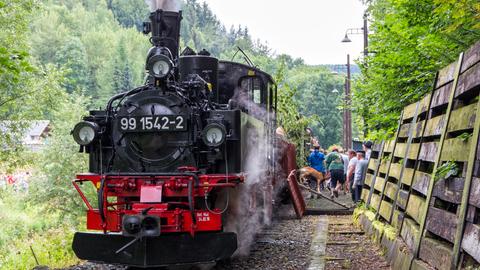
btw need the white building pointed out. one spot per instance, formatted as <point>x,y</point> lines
<point>34,134</point>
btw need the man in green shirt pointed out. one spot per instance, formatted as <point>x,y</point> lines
<point>335,167</point>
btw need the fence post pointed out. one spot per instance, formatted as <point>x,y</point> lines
<point>382,146</point>
<point>466,190</point>
<point>388,166</point>
<point>405,156</point>
<point>437,159</point>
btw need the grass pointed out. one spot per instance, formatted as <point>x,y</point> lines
<point>26,226</point>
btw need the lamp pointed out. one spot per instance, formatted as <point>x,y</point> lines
<point>346,39</point>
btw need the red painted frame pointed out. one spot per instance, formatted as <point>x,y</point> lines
<point>173,211</point>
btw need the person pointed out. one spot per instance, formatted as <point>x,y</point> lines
<point>360,171</point>
<point>345,160</point>
<point>334,164</point>
<point>10,180</point>
<point>367,148</point>
<point>352,156</point>
<point>316,160</point>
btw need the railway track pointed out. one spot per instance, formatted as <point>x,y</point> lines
<point>287,244</point>
<point>283,245</point>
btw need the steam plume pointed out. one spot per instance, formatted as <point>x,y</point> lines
<point>166,5</point>
<point>249,211</point>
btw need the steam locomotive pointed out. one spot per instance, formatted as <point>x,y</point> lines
<point>161,156</point>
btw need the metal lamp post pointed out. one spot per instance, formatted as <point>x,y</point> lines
<point>347,114</point>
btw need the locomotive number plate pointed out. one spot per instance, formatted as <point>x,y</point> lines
<point>152,123</point>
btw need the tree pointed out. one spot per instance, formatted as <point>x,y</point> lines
<point>316,92</point>
<point>122,75</point>
<point>129,13</point>
<point>410,41</point>
<point>288,116</point>
<point>73,59</point>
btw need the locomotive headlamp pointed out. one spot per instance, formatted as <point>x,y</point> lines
<point>159,65</point>
<point>214,134</point>
<point>84,133</point>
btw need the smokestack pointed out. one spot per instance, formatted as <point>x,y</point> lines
<point>165,18</point>
<point>166,5</point>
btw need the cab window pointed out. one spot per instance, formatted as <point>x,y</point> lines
<point>253,86</point>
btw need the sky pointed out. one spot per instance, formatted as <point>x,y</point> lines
<point>310,29</point>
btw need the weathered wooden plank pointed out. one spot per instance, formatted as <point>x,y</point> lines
<point>471,240</point>
<point>368,179</point>
<point>402,256</point>
<point>397,218</point>
<point>365,192</point>
<point>434,126</point>
<point>403,133</point>
<point>471,213</point>
<point>395,169</point>
<point>402,198</point>
<point>468,81</point>
<point>385,210</point>
<point>409,232</point>
<point>471,56</point>
<point>476,167</point>
<point>409,111</point>
<point>372,164</point>
<point>446,74</point>
<point>474,198</point>
<point>413,151</point>
<point>428,151</point>
<point>389,145</point>
<point>436,253</point>
<point>377,147</point>
<point>375,201</point>
<point>415,207</point>
<point>420,265</point>
<point>383,166</point>
<point>400,150</point>
<point>449,190</point>
<point>379,182</point>
<point>390,190</point>
<point>418,129</point>
<point>441,96</point>
<point>463,118</point>
<point>455,149</point>
<point>441,223</point>
<point>424,104</point>
<point>407,176</point>
<point>421,182</point>
<point>388,244</point>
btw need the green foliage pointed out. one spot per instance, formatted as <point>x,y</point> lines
<point>60,161</point>
<point>446,170</point>
<point>288,115</point>
<point>465,136</point>
<point>89,44</point>
<point>409,42</point>
<point>25,224</point>
<point>129,13</point>
<point>320,94</point>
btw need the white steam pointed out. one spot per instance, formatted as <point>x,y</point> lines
<point>166,5</point>
<point>250,209</point>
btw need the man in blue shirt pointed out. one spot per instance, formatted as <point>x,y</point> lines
<point>316,160</point>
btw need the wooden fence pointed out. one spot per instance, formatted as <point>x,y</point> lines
<point>425,181</point>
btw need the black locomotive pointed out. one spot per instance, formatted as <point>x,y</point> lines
<point>161,153</point>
